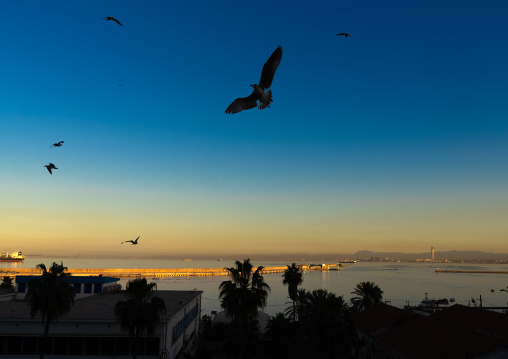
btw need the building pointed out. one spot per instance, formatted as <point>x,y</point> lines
<point>91,330</point>
<point>455,332</point>
<point>84,286</point>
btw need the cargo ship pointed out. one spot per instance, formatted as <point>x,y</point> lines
<point>12,257</point>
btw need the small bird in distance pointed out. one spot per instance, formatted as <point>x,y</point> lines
<point>345,34</point>
<point>49,167</point>
<point>259,94</point>
<point>108,18</point>
<point>58,144</point>
<point>132,242</point>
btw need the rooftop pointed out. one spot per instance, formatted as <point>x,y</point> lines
<point>72,279</point>
<point>100,307</point>
<point>380,318</point>
<point>455,332</point>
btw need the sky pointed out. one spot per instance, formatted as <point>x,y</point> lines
<point>393,139</point>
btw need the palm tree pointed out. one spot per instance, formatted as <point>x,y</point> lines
<point>51,296</point>
<point>292,277</point>
<point>299,306</point>
<point>322,323</point>
<point>244,293</point>
<point>140,312</point>
<point>368,295</point>
<point>283,340</point>
<point>7,283</point>
<point>241,297</point>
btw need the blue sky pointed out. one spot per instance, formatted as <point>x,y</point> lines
<point>395,138</point>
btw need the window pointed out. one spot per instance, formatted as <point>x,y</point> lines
<point>29,346</point>
<point>180,327</point>
<point>69,346</point>
<point>108,346</point>
<point>92,346</point>
<point>97,288</point>
<point>152,346</point>
<point>59,346</point>
<point>77,288</point>
<point>75,346</point>
<point>88,288</point>
<point>14,345</point>
<point>21,287</point>
<point>122,346</point>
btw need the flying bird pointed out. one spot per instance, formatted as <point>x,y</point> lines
<point>112,18</point>
<point>132,242</point>
<point>259,94</point>
<point>58,144</point>
<point>345,34</point>
<point>50,166</point>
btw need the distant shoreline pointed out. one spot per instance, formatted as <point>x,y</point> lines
<point>450,256</point>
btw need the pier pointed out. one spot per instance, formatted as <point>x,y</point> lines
<point>470,271</point>
<point>150,272</point>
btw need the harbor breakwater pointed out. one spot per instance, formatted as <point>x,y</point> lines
<point>470,271</point>
<point>150,272</point>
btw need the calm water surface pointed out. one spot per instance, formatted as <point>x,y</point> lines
<point>401,283</point>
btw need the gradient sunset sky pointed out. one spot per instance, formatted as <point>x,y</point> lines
<point>393,140</point>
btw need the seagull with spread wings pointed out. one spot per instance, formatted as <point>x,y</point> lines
<point>112,18</point>
<point>132,242</point>
<point>49,167</point>
<point>58,144</point>
<point>345,34</point>
<point>259,93</point>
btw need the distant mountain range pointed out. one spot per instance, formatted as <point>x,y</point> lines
<point>366,254</point>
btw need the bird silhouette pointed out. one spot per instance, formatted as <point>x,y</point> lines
<point>345,34</point>
<point>58,144</point>
<point>112,18</point>
<point>132,242</point>
<point>259,94</point>
<point>50,166</point>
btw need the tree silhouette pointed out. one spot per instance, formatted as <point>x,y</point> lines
<point>7,283</point>
<point>283,339</point>
<point>140,312</point>
<point>241,297</point>
<point>51,296</point>
<point>322,326</point>
<point>368,295</point>
<point>244,293</point>
<point>292,277</point>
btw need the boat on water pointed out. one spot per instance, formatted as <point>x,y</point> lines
<point>347,261</point>
<point>12,257</point>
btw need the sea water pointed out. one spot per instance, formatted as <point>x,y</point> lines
<point>401,283</point>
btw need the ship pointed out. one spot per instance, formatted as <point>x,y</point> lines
<point>347,261</point>
<point>12,257</point>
